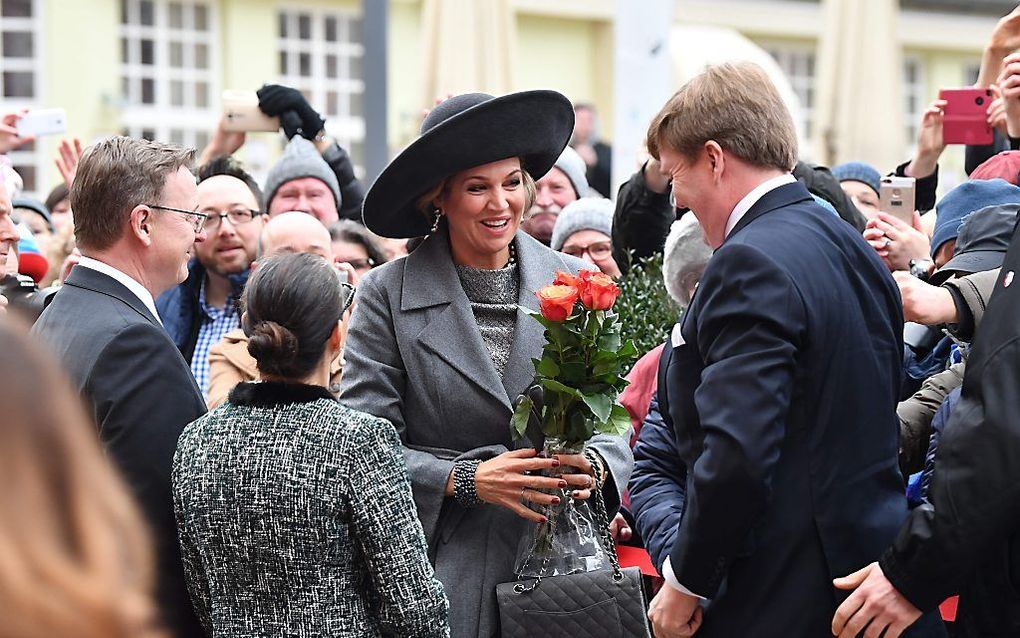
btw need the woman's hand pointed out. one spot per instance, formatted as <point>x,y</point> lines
<point>897,242</point>
<point>502,481</point>
<point>585,481</point>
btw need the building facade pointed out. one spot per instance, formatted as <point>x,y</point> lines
<point>157,68</point>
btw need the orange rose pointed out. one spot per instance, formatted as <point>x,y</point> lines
<point>598,291</point>
<point>556,301</point>
<point>565,279</point>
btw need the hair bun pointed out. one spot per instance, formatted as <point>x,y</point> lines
<point>274,347</point>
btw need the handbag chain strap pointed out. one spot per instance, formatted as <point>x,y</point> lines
<point>608,544</point>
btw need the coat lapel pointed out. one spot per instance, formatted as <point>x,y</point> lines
<point>430,280</point>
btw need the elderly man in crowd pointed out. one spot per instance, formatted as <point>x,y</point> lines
<point>781,382</point>
<point>563,184</point>
<point>584,229</point>
<point>135,215</point>
<point>203,308</point>
<point>229,360</point>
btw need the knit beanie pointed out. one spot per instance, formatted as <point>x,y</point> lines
<point>36,206</point>
<point>587,213</point>
<point>966,198</point>
<point>31,261</point>
<point>858,172</point>
<point>300,159</point>
<point>574,168</point>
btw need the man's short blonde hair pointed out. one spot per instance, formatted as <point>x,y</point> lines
<point>738,107</point>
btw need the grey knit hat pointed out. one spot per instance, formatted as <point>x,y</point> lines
<point>301,159</point>
<point>587,213</point>
<point>574,168</point>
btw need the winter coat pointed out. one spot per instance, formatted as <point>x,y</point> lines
<point>295,518</point>
<point>416,358</point>
<point>230,364</point>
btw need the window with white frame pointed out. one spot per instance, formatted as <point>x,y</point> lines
<point>20,71</point>
<point>169,70</point>
<point>797,62</point>
<point>321,54</point>
<point>915,95</point>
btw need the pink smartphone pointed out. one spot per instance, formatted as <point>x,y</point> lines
<point>966,117</point>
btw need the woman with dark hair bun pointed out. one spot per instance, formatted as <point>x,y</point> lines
<point>295,513</point>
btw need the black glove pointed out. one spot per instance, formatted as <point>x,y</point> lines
<point>276,100</point>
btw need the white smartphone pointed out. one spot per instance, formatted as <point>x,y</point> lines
<point>241,113</point>
<point>42,122</point>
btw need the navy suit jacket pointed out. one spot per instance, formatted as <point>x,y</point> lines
<point>140,394</point>
<point>783,399</point>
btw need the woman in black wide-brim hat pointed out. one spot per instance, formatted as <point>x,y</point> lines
<point>439,347</point>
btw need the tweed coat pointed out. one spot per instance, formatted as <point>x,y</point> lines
<point>416,358</point>
<point>295,518</point>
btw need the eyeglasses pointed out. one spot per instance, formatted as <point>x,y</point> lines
<point>237,217</point>
<point>360,264</point>
<point>198,220</point>
<point>597,250</point>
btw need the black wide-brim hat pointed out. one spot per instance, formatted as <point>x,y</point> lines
<point>460,133</point>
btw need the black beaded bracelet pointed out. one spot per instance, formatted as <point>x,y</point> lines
<point>464,483</point>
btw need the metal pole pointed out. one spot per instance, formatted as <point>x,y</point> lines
<point>374,27</point>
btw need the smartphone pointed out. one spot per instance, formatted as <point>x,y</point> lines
<point>966,117</point>
<point>241,113</point>
<point>42,122</point>
<point>896,197</point>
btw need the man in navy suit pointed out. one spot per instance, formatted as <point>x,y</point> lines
<point>134,207</point>
<point>781,381</point>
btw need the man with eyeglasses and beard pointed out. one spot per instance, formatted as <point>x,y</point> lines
<point>199,311</point>
<point>563,184</point>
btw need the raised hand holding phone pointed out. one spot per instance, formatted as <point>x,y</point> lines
<point>966,116</point>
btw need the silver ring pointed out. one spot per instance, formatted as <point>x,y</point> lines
<point>523,489</point>
<point>888,242</point>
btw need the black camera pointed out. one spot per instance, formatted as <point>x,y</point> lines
<point>23,295</point>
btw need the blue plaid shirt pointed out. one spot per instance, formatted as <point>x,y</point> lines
<point>216,322</point>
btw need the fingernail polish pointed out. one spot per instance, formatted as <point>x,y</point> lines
<point>556,500</point>
<point>563,484</point>
<point>577,494</point>
<point>556,463</point>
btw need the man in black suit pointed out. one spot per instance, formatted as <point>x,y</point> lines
<point>134,220</point>
<point>782,380</point>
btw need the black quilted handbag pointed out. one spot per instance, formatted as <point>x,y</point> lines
<point>605,602</point>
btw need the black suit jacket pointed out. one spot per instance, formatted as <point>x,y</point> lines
<point>141,394</point>
<point>783,399</point>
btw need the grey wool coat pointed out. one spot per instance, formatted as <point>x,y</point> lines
<point>416,358</point>
<point>295,519</point>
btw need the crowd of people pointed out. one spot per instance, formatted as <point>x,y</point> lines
<point>235,408</point>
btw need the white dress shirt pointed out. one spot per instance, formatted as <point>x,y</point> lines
<point>136,288</point>
<point>738,213</point>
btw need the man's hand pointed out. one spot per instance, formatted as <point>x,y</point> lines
<point>1009,87</point>
<point>674,614</point>
<point>930,142</point>
<point>69,154</point>
<point>296,115</point>
<point>221,143</point>
<point>9,138</point>
<point>620,529</point>
<point>925,303</point>
<point>876,605</point>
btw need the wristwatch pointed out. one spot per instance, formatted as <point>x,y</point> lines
<point>921,268</point>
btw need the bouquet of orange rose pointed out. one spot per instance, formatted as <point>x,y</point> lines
<point>581,376</point>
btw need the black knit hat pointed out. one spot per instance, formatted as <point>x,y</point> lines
<point>462,132</point>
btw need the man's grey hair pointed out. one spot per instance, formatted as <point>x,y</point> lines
<point>684,258</point>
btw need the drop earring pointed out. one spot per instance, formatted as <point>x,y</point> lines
<point>435,222</point>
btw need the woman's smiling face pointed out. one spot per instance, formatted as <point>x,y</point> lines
<point>483,208</point>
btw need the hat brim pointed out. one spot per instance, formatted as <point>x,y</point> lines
<point>967,263</point>
<point>532,125</point>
